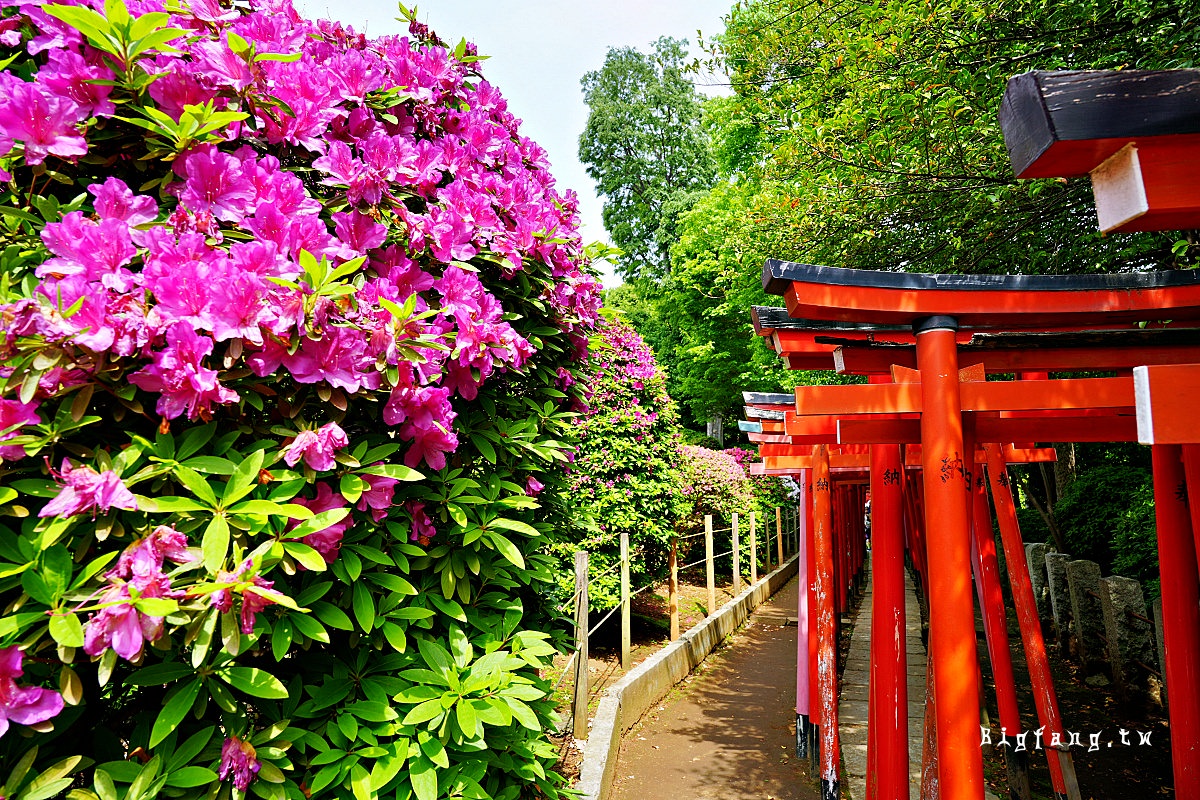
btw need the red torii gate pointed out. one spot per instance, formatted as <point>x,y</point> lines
<point>918,330</point>
<point>1086,409</point>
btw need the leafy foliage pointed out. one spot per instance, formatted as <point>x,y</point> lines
<point>872,130</point>
<point>289,318</point>
<point>1092,508</point>
<point>626,469</point>
<point>644,147</point>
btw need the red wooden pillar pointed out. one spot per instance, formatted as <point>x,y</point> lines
<point>803,701</point>
<point>951,614</point>
<point>995,625</point>
<point>823,536</point>
<point>887,756</point>
<point>1181,615</point>
<point>1062,769</point>
<point>1191,469</point>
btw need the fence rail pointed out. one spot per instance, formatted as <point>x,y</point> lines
<point>787,525</point>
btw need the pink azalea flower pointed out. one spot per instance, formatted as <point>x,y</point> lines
<point>13,415</point>
<point>24,705</point>
<point>533,487</point>
<point>338,358</point>
<point>378,498</point>
<point>239,759</point>
<point>180,377</point>
<point>144,558</point>
<point>256,593</point>
<point>119,624</point>
<point>69,75</point>
<point>316,447</point>
<point>44,122</point>
<point>84,488</point>
<point>327,541</point>
<point>422,526</point>
<point>214,183</point>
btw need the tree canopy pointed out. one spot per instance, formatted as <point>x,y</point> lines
<point>644,147</point>
<point>871,130</point>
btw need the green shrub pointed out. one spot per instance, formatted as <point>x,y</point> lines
<point>1092,507</point>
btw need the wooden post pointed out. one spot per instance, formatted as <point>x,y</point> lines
<point>708,562</point>
<point>826,633</point>
<point>673,588</point>
<point>581,645</point>
<point>737,558</point>
<point>753,551</point>
<point>626,637</point>
<point>779,536</point>
<point>1181,614</point>
<point>1062,772</point>
<point>951,608</point>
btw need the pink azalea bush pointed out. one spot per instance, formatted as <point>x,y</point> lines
<point>290,324</point>
<point>626,472</point>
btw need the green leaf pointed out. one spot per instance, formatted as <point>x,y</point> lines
<point>196,485</point>
<point>211,465</point>
<point>160,674</point>
<point>156,606</point>
<point>189,777</point>
<point>66,630</point>
<point>360,783</point>
<point>423,775</point>
<point>351,486</point>
<point>244,478</point>
<point>318,522</point>
<point>514,525</point>
<point>364,607</point>
<point>270,509</point>
<point>171,505</point>
<point>373,711</point>
<point>507,549</point>
<point>397,471</point>
<point>176,708</point>
<point>215,544</point>
<point>393,583</point>
<point>428,710</point>
<point>305,555</point>
<point>310,628</point>
<point>464,713</point>
<point>86,21</point>
<point>332,616</point>
<point>254,682</point>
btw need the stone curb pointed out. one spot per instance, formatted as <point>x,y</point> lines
<point>623,704</point>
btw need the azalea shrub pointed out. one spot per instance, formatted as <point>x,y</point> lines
<point>715,483</point>
<point>288,325</point>
<point>770,491</point>
<point>625,475</point>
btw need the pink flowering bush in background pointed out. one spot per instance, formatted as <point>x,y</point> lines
<point>626,473</point>
<point>290,331</point>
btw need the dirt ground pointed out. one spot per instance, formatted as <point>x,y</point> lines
<point>1111,772</point>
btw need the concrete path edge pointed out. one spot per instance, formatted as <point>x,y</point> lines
<point>625,702</point>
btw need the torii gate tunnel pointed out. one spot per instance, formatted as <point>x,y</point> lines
<point>959,370</point>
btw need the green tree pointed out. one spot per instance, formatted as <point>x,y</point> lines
<point>875,125</point>
<point>645,148</point>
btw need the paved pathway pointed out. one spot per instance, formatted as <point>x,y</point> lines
<point>727,733</point>
<point>852,705</point>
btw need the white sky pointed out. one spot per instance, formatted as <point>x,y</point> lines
<point>539,50</point>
